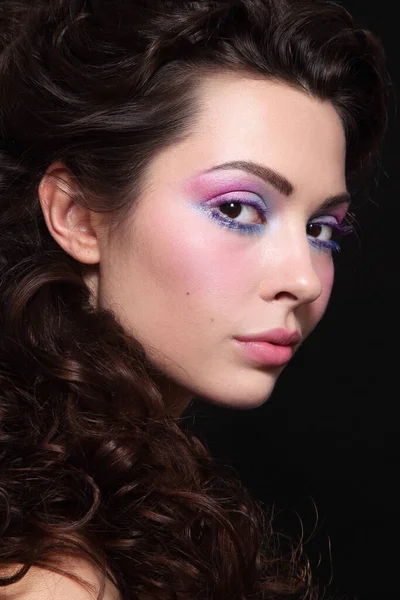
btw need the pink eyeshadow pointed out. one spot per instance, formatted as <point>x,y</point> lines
<point>208,185</point>
<point>340,212</point>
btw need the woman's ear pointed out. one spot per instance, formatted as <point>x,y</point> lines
<point>75,228</point>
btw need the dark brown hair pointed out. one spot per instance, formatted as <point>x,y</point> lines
<point>91,464</point>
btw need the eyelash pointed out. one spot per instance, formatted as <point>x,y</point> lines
<point>340,229</point>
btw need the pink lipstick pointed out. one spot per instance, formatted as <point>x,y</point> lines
<point>272,348</point>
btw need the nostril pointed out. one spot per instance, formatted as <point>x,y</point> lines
<point>283,295</point>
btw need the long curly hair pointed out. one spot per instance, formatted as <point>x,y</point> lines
<point>92,465</point>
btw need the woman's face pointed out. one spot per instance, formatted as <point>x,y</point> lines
<point>231,238</point>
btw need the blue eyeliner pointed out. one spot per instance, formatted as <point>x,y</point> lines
<point>211,210</point>
<point>338,229</point>
<point>247,229</point>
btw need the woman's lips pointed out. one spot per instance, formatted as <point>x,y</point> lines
<point>265,353</point>
<point>273,348</point>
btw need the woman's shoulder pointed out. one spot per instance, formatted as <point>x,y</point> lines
<point>41,584</point>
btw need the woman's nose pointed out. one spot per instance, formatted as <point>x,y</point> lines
<point>294,274</point>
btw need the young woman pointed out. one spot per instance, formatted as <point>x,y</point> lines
<point>174,180</point>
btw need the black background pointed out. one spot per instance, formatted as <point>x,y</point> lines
<point>329,434</point>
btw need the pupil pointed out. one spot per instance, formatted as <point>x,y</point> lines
<point>233,209</point>
<point>313,229</point>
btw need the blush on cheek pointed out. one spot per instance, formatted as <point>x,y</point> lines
<point>316,310</point>
<point>194,257</point>
<point>216,274</point>
<point>327,278</point>
<point>194,254</point>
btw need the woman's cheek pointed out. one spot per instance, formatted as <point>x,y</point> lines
<point>200,257</point>
<point>327,274</point>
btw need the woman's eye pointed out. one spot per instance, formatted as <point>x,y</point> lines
<point>320,231</point>
<point>325,234</point>
<point>241,212</point>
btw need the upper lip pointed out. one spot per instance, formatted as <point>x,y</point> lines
<point>280,337</point>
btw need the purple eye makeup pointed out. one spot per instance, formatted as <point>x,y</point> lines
<point>241,204</point>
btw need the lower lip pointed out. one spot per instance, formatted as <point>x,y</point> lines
<point>270,355</point>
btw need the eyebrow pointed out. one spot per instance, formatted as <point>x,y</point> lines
<point>278,181</point>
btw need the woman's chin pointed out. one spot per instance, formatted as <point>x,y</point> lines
<point>243,393</point>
